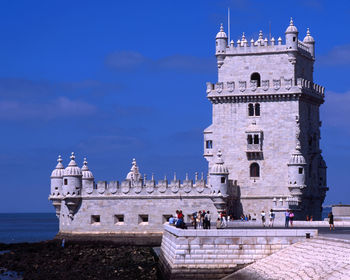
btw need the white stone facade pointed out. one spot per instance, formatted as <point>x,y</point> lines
<point>265,118</point>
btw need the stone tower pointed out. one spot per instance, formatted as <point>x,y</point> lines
<point>266,122</point>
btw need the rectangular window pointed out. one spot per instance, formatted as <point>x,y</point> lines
<point>250,139</point>
<point>143,219</point>
<point>119,219</point>
<point>166,218</point>
<point>300,170</point>
<point>65,181</point>
<point>95,219</point>
<point>223,180</point>
<point>256,139</point>
<point>209,144</point>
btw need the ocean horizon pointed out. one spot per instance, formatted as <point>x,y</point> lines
<point>35,227</point>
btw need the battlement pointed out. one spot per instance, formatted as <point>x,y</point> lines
<point>274,86</point>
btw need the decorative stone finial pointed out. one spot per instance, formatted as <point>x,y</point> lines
<point>152,177</point>
<point>308,32</point>
<point>196,176</point>
<point>85,161</point>
<point>221,28</point>
<point>165,178</point>
<point>59,160</point>
<point>186,176</point>
<point>232,43</point>
<point>260,35</point>
<point>243,37</point>
<point>72,157</point>
<point>291,23</point>
<point>174,176</point>
<point>219,157</point>
<point>202,176</point>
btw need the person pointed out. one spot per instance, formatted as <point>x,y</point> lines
<point>202,218</point>
<point>286,214</point>
<point>254,217</point>
<point>307,218</point>
<point>207,219</point>
<point>271,217</point>
<point>223,220</point>
<point>218,223</point>
<point>249,217</point>
<point>291,218</point>
<point>194,219</point>
<point>331,221</point>
<point>228,218</point>
<point>199,219</point>
<point>263,217</point>
<point>171,220</point>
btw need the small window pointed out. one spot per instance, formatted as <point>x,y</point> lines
<point>223,180</point>
<point>256,139</point>
<point>209,144</point>
<point>65,182</point>
<point>95,219</point>
<point>257,109</point>
<point>250,139</point>
<point>294,39</point>
<point>300,170</point>
<point>254,170</point>
<point>166,218</point>
<point>256,77</point>
<point>119,219</point>
<point>250,109</point>
<point>143,219</point>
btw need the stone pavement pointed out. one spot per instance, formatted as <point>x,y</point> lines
<point>316,258</point>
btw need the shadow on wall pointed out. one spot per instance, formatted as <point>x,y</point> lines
<point>234,205</point>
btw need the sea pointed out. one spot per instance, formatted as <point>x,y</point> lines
<point>27,227</point>
<point>34,227</point>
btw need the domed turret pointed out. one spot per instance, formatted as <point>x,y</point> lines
<point>57,178</point>
<point>292,36</point>
<point>221,44</point>
<point>219,176</point>
<point>72,178</point>
<point>310,42</point>
<point>87,178</point>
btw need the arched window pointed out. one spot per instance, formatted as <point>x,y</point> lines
<point>254,170</point>
<point>256,77</point>
<point>257,109</point>
<point>250,109</point>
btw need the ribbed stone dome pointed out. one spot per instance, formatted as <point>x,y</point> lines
<point>291,28</point>
<point>72,169</point>
<point>221,34</point>
<point>297,158</point>
<point>59,170</point>
<point>87,174</point>
<point>308,38</point>
<point>219,167</point>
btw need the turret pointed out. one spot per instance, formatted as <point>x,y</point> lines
<point>72,178</point>
<point>292,36</point>
<point>310,42</point>
<point>87,176</point>
<point>221,44</point>
<point>296,174</point>
<point>219,176</point>
<point>57,178</point>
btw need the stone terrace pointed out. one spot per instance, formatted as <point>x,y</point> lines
<point>317,258</point>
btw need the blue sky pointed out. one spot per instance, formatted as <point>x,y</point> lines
<point>113,80</point>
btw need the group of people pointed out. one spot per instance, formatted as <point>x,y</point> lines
<point>289,217</point>
<point>201,219</point>
<point>271,218</point>
<point>178,220</point>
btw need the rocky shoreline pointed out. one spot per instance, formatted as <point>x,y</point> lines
<point>79,260</point>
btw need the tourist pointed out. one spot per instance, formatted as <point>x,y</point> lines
<point>194,220</point>
<point>218,223</point>
<point>311,218</point>
<point>171,220</point>
<point>271,217</point>
<point>199,219</point>
<point>249,217</point>
<point>202,219</point>
<point>291,218</point>
<point>228,218</point>
<point>223,220</point>
<point>207,219</point>
<point>331,221</point>
<point>286,214</point>
<point>307,218</point>
<point>263,217</point>
<point>254,217</point>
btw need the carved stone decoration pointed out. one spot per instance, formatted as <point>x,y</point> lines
<point>231,86</point>
<point>200,189</point>
<point>242,86</point>
<point>276,84</point>
<point>175,188</point>
<point>150,189</point>
<point>265,84</point>
<point>125,189</point>
<point>89,190</point>
<point>137,189</point>
<point>187,188</point>
<point>288,83</point>
<point>162,188</point>
<point>253,85</point>
<point>209,87</point>
<point>219,87</point>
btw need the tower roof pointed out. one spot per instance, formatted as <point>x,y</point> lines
<point>308,38</point>
<point>297,157</point>
<point>59,170</point>
<point>219,167</point>
<point>72,169</point>
<point>87,174</point>
<point>291,28</point>
<point>221,34</point>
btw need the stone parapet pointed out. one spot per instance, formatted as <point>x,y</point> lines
<point>225,249</point>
